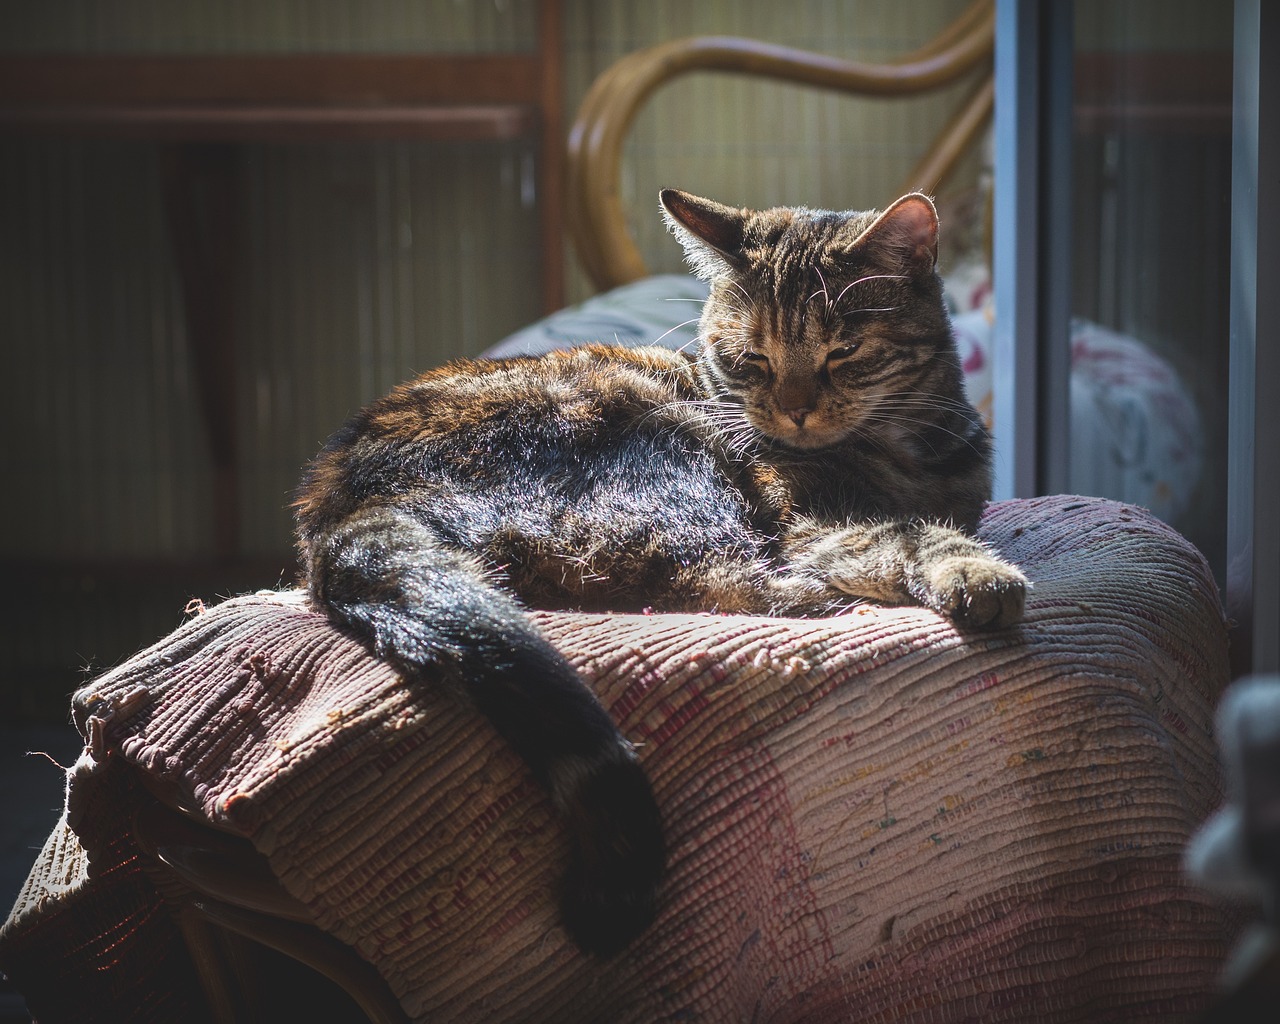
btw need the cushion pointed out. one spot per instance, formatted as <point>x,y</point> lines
<point>658,310</point>
<point>871,817</point>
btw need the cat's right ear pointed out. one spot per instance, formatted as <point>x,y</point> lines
<point>710,232</point>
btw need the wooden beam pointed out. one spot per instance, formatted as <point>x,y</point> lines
<point>272,123</point>
<point>268,79</point>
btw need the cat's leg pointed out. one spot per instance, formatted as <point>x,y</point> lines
<point>426,608</point>
<point>912,561</point>
<point>735,585</point>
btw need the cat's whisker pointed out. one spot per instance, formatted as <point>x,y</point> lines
<point>915,426</point>
<point>731,328</point>
<point>826,294</point>
<point>911,416</point>
<point>733,304</point>
<point>658,339</point>
<point>718,415</point>
<point>924,400</point>
<point>906,426</point>
<point>821,291</point>
<point>730,424</point>
<point>734,333</point>
<point>869,277</point>
<point>741,291</point>
<point>871,309</point>
<point>916,400</point>
<point>861,432</point>
<point>917,410</point>
<point>915,391</point>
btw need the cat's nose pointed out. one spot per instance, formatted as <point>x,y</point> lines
<point>795,395</point>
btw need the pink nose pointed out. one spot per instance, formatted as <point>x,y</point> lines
<point>798,416</point>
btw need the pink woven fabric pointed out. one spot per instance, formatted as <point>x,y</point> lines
<point>870,817</point>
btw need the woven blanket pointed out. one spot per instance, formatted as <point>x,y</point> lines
<point>871,817</point>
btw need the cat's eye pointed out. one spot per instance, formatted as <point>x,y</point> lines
<point>759,358</point>
<point>840,352</point>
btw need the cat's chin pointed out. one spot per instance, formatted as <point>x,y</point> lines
<point>809,440</point>
<point>805,444</point>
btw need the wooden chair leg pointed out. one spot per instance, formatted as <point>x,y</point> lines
<point>237,899</point>
<point>214,968</point>
<point>321,952</point>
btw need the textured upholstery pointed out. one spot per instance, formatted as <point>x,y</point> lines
<point>871,817</point>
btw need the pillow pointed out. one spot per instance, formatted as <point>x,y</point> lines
<point>658,310</point>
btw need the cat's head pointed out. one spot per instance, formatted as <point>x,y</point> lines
<point>822,326</point>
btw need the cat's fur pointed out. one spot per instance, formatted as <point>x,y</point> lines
<point>818,451</point>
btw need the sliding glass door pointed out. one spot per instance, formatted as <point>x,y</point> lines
<point>1128,346</point>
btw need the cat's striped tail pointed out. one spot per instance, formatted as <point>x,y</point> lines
<point>426,608</point>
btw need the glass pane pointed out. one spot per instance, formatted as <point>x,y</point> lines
<point>1151,260</point>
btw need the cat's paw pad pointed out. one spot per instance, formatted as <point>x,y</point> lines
<point>618,859</point>
<point>978,592</point>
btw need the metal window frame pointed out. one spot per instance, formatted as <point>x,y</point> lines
<point>1031,272</point>
<point>1253,434</point>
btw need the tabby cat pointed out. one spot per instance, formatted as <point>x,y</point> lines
<point>819,450</point>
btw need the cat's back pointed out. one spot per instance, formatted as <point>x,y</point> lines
<point>592,386</point>
<point>473,420</point>
<point>589,478</point>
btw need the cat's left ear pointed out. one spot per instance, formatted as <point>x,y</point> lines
<point>710,232</point>
<point>905,236</point>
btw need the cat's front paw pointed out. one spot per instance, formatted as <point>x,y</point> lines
<point>976,591</point>
<point>617,859</point>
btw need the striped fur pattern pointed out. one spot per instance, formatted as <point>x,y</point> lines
<point>819,451</point>
<point>829,347</point>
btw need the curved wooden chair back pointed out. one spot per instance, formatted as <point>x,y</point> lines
<point>594,209</point>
